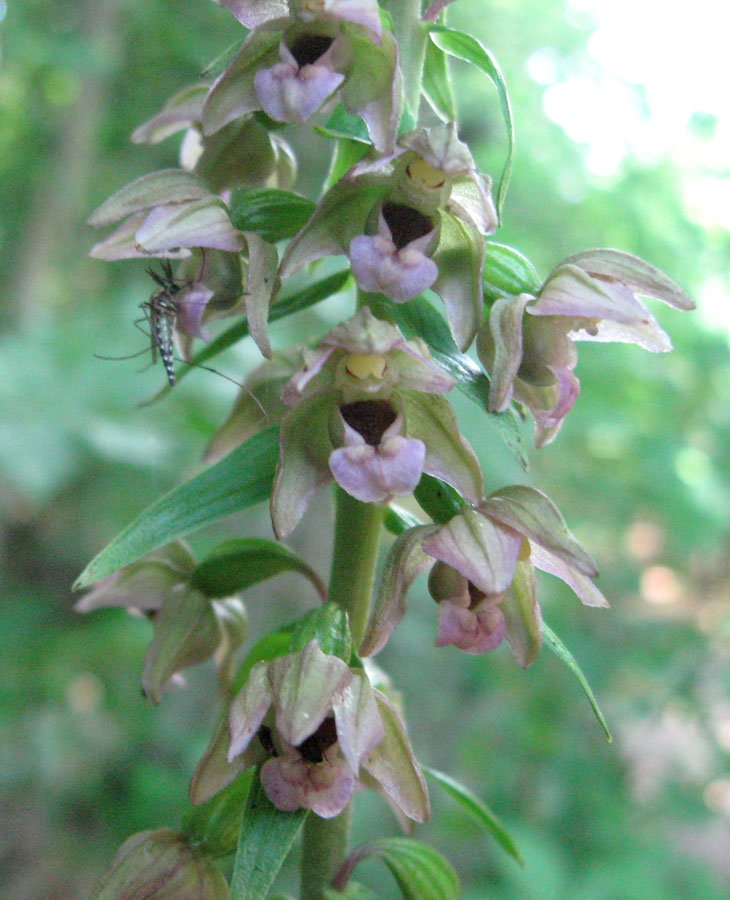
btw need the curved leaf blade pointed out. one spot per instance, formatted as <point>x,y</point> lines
<point>238,564</point>
<point>464,46</point>
<point>477,810</point>
<point>422,873</point>
<point>437,87</point>
<point>241,479</point>
<point>562,652</point>
<point>266,837</point>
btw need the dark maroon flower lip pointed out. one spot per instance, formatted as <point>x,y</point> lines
<point>308,48</point>
<point>369,418</point>
<point>406,224</point>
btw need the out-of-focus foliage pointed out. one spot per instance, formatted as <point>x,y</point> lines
<point>641,470</point>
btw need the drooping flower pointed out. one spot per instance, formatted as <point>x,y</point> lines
<point>483,578</point>
<point>408,221</point>
<point>317,726</point>
<point>366,409</point>
<point>527,345</point>
<point>188,626</point>
<point>299,55</point>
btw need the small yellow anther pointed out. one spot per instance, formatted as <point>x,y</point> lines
<point>365,365</point>
<point>425,174</point>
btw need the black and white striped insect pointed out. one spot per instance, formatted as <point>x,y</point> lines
<point>161,313</point>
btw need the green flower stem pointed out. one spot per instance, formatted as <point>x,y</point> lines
<point>323,851</point>
<point>357,540</point>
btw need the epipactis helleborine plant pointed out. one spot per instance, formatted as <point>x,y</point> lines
<point>306,717</point>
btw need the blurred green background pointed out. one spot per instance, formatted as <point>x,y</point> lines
<point>621,143</point>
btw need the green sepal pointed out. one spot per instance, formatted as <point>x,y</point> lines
<point>522,615</point>
<point>274,215</point>
<point>562,652</point>
<point>437,87</point>
<point>221,62</point>
<point>329,626</point>
<point>438,499</point>
<point>477,810</point>
<point>238,564</point>
<point>266,837</point>
<point>186,633</point>
<point>459,258</point>
<point>507,272</point>
<point>464,46</point>
<point>213,827</point>
<point>422,873</point>
<point>242,479</point>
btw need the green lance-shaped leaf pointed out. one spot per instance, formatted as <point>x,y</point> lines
<point>422,873</point>
<point>562,652</point>
<point>266,837</point>
<point>213,827</point>
<point>329,626</point>
<point>418,318</point>
<point>238,564</point>
<point>241,479</point>
<point>437,87</point>
<point>507,272</point>
<point>477,810</point>
<point>273,214</point>
<point>464,46</point>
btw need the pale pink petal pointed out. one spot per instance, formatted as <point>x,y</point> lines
<point>377,474</point>
<point>359,726</point>
<point>584,588</point>
<point>248,709</point>
<point>484,551</point>
<point>191,303</point>
<point>379,267</point>
<point>324,787</point>
<point>290,93</point>
<point>474,631</point>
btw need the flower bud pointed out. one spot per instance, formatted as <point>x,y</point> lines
<point>159,865</point>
